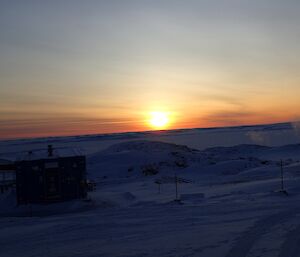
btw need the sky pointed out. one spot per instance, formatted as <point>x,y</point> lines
<point>85,67</point>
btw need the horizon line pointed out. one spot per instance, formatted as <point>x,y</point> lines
<point>143,131</point>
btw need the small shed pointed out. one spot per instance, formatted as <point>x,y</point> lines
<point>50,177</point>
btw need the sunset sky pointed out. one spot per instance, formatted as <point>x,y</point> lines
<point>80,67</point>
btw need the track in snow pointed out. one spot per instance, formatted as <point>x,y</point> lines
<point>291,245</point>
<point>249,238</point>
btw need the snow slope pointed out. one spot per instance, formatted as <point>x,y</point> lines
<point>269,135</point>
<point>230,200</point>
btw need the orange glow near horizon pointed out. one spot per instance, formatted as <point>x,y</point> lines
<point>154,116</point>
<point>53,128</point>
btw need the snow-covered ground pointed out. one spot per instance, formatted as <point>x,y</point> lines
<point>230,201</point>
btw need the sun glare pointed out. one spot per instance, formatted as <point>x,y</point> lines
<point>159,120</point>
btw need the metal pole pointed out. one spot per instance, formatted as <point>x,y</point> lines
<point>281,169</point>
<point>176,187</point>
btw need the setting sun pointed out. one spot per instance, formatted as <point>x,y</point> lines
<point>159,120</point>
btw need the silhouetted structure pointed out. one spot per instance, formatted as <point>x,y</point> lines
<point>7,175</point>
<point>50,178</point>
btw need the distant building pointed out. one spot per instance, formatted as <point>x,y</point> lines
<point>7,175</point>
<point>45,177</point>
